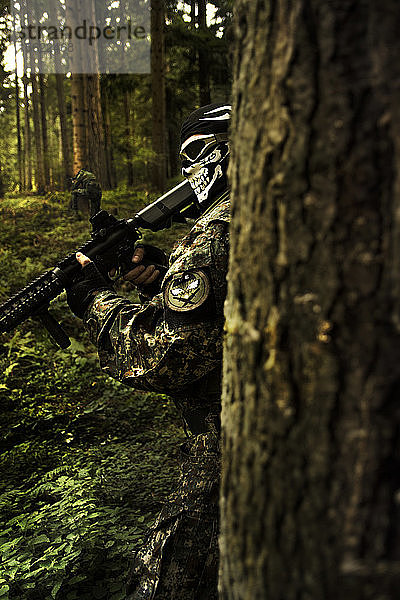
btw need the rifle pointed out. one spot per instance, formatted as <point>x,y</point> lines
<point>112,245</point>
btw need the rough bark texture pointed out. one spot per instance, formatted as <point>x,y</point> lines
<point>311,444</point>
<point>158,93</point>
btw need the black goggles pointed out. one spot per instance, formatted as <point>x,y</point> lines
<point>198,148</point>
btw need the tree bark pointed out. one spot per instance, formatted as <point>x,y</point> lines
<point>65,141</point>
<point>79,121</point>
<point>96,153</point>
<point>158,94</point>
<point>311,442</point>
<point>129,137</point>
<point>27,138</point>
<point>39,166</point>
<point>204,69</point>
<point>62,111</point>
<point>108,143</point>
<point>96,150</point>
<point>18,123</point>
<point>79,106</point>
<point>45,141</point>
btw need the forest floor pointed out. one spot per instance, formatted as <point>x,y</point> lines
<point>85,463</point>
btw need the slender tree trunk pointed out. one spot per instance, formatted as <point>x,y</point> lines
<point>311,442</point>
<point>128,135</point>
<point>96,152</point>
<point>204,68</point>
<point>78,95</point>
<point>158,93</point>
<point>39,167</point>
<point>2,190</point>
<point>45,141</point>
<point>108,144</point>
<point>62,112</point>
<point>79,121</point>
<point>18,122</point>
<point>27,138</point>
<point>39,171</point>
<point>65,141</point>
<point>27,127</point>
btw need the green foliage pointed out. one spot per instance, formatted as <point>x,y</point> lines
<point>85,463</point>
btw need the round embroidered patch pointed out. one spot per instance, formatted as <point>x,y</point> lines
<point>187,291</point>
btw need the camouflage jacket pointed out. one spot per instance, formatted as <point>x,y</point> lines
<point>173,343</point>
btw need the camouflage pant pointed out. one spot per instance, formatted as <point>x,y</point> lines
<point>179,560</point>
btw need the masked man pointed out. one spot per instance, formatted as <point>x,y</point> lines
<point>173,344</point>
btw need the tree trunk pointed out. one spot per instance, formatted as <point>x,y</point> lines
<point>204,70</point>
<point>27,138</point>
<point>65,141</point>
<point>311,442</point>
<point>79,106</point>
<point>108,143</point>
<point>79,121</point>
<point>39,98</point>
<point>39,166</point>
<point>96,153</point>
<point>18,123</point>
<point>158,93</point>
<point>45,141</point>
<point>128,134</point>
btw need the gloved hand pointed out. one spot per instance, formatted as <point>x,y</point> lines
<point>85,187</point>
<point>147,278</point>
<point>81,294</point>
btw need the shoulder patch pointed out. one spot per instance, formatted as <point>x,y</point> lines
<point>187,291</point>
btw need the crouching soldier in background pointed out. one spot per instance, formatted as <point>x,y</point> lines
<point>172,344</point>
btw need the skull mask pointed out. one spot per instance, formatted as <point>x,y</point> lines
<point>205,152</point>
<point>204,163</point>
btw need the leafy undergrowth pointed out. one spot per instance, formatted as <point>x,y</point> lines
<point>85,462</point>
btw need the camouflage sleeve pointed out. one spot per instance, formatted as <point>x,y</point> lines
<point>176,338</point>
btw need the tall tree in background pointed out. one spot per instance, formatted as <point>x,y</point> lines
<point>129,137</point>
<point>95,127</point>
<point>158,93</point>
<point>204,68</point>
<point>87,119</point>
<point>78,94</point>
<point>108,142</point>
<point>42,102</point>
<point>65,140</point>
<point>18,123</point>
<point>310,505</point>
<point>43,128</point>
<point>27,137</point>
<point>79,119</point>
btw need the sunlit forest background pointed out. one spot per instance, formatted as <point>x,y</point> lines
<point>85,463</point>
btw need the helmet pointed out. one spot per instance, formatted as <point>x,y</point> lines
<point>204,151</point>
